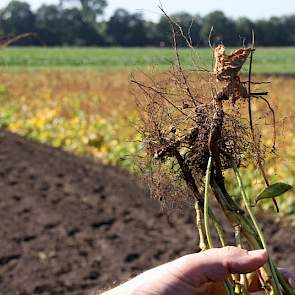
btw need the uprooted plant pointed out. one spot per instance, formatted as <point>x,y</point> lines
<point>197,126</point>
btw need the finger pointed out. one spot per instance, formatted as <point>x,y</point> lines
<point>216,265</point>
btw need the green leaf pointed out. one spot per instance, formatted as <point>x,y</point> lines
<point>274,190</point>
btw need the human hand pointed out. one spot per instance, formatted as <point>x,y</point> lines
<point>201,273</point>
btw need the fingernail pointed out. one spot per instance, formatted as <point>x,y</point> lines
<point>257,253</point>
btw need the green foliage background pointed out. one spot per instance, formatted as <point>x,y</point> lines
<point>266,60</point>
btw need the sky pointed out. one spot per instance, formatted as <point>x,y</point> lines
<point>253,9</point>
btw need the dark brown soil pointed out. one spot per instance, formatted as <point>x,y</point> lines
<point>69,225</point>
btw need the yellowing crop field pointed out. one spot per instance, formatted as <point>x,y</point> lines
<point>92,113</point>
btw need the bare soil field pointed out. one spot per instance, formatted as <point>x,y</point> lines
<point>71,226</point>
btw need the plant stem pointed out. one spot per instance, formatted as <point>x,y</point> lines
<point>218,228</point>
<point>238,285</point>
<point>247,228</point>
<point>206,204</point>
<point>227,284</point>
<point>202,243</point>
<point>259,232</point>
<point>243,282</point>
<point>229,288</point>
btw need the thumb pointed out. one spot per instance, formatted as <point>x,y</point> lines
<point>216,265</point>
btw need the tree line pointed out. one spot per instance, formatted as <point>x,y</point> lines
<point>81,23</point>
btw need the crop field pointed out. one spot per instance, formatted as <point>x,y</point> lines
<point>91,113</point>
<point>267,60</point>
<point>68,218</point>
<point>59,97</point>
